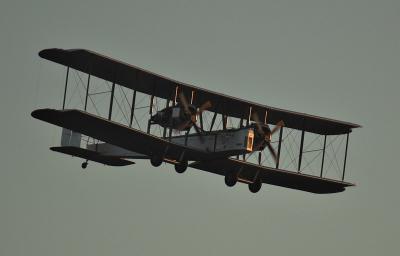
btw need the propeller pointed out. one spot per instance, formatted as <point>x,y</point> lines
<point>193,114</point>
<point>266,135</point>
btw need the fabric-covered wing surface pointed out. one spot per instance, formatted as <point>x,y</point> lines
<point>150,83</point>
<point>273,176</point>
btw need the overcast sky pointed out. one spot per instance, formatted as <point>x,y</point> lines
<point>338,59</point>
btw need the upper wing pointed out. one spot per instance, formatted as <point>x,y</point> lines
<point>147,82</point>
<point>288,179</point>
<point>117,134</point>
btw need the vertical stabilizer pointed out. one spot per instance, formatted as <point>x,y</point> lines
<point>70,138</point>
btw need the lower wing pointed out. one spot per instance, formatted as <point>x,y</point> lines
<point>119,135</point>
<point>249,172</point>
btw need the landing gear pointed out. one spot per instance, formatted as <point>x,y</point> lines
<point>181,166</point>
<point>84,164</point>
<point>255,186</point>
<point>231,179</point>
<point>156,160</point>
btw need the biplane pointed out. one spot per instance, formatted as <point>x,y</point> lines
<point>146,116</point>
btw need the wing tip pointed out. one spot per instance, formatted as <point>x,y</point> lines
<point>42,113</point>
<point>51,53</point>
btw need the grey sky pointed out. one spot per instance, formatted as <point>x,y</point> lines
<point>337,59</point>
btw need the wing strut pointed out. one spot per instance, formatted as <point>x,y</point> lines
<point>65,90</point>
<point>133,108</point>
<point>301,150</point>
<point>278,157</point>
<point>345,155</point>
<point>213,121</point>
<point>87,91</point>
<point>150,113</point>
<point>165,128</point>
<point>111,101</point>
<point>323,156</point>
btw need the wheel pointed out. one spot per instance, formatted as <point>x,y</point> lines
<point>84,165</point>
<point>231,179</point>
<point>156,161</point>
<point>181,167</point>
<point>255,187</point>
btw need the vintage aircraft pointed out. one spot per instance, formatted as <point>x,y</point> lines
<point>235,152</point>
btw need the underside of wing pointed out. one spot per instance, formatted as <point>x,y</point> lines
<point>294,180</point>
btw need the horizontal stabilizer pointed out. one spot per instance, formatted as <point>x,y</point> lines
<point>92,156</point>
